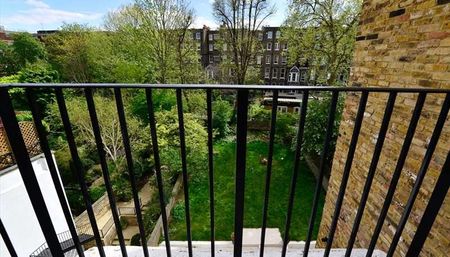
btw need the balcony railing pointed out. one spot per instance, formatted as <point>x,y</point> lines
<point>55,248</point>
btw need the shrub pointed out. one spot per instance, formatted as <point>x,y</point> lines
<point>151,215</point>
<point>222,114</point>
<point>178,213</point>
<point>96,192</point>
<point>135,240</point>
<point>123,223</point>
<point>315,126</point>
<point>121,189</point>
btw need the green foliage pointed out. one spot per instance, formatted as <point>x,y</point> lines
<point>27,49</point>
<point>316,118</point>
<point>121,189</point>
<point>39,72</point>
<point>75,199</point>
<point>135,240</point>
<point>8,61</point>
<point>24,116</point>
<point>322,35</point>
<point>123,223</point>
<point>222,114</point>
<point>178,212</point>
<point>151,215</point>
<point>96,192</point>
<point>9,79</point>
<point>162,100</point>
<point>168,139</point>
<point>286,127</point>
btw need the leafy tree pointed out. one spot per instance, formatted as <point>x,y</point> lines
<point>163,99</point>
<point>69,52</point>
<point>27,49</point>
<point>222,114</point>
<point>241,21</point>
<point>321,33</point>
<point>8,60</point>
<point>316,117</point>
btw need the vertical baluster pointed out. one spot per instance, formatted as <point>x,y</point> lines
<point>347,168</point>
<point>104,166</point>
<point>78,168</point>
<point>323,160</point>
<point>184,168</point>
<point>52,168</point>
<point>30,181</point>
<point>273,123</point>
<point>129,159</point>
<point>241,155</point>
<point>371,173</point>
<point>7,240</point>
<point>159,180</point>
<point>432,210</point>
<point>209,115</point>
<point>293,186</point>
<point>397,172</point>
<point>421,174</point>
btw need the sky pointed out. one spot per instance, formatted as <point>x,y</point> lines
<point>33,15</point>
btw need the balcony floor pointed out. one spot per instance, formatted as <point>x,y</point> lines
<point>224,249</point>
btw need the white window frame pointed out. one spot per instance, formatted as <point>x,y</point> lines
<point>210,37</point>
<point>211,47</point>
<point>267,73</point>
<point>210,73</point>
<point>211,59</point>
<point>268,59</point>
<point>282,108</point>
<point>282,73</point>
<point>278,34</point>
<point>275,59</point>
<point>259,59</point>
<point>302,76</point>
<point>198,36</point>
<point>297,109</point>
<point>283,59</point>
<point>274,73</point>
<point>277,46</point>
<point>269,35</point>
<point>269,46</point>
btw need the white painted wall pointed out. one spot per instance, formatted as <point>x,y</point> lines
<point>17,212</point>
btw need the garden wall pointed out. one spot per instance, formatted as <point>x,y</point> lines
<point>399,44</point>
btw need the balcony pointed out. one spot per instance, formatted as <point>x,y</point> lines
<point>243,243</point>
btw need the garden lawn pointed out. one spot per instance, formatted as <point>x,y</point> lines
<point>224,168</point>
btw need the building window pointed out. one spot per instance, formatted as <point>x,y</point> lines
<point>283,59</point>
<point>274,73</point>
<point>294,74</point>
<point>210,73</point>
<point>269,35</point>
<point>198,36</point>
<point>282,108</point>
<point>210,36</point>
<point>211,47</point>
<point>269,46</point>
<point>277,46</point>
<point>267,73</point>
<point>268,59</point>
<point>297,109</point>
<point>285,47</point>
<point>216,36</point>
<point>211,59</point>
<point>275,59</point>
<point>259,59</point>
<point>282,73</point>
<point>303,76</point>
<point>278,35</point>
<point>260,36</point>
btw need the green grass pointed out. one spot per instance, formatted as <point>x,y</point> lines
<point>224,161</point>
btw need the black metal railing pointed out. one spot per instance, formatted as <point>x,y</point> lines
<point>52,240</point>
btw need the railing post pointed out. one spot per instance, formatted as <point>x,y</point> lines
<point>7,240</point>
<point>241,151</point>
<point>27,173</point>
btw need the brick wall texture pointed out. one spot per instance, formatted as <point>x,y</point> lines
<point>399,44</point>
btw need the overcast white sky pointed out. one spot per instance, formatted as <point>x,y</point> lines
<point>33,15</point>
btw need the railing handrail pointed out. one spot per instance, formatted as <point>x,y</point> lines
<point>229,86</point>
